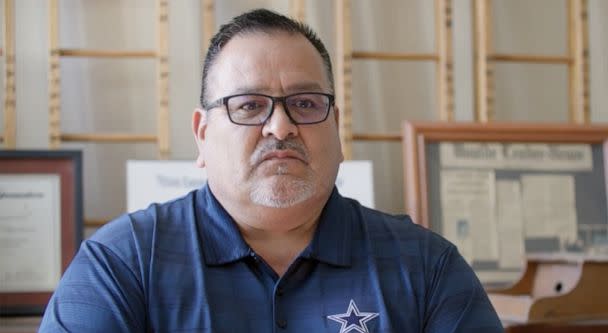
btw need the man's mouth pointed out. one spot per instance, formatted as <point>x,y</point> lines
<point>282,155</point>
<point>281,151</point>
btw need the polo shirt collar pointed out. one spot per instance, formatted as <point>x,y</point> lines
<point>331,243</point>
<point>222,242</point>
<point>221,239</point>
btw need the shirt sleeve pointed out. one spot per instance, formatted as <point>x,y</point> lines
<point>457,301</point>
<point>99,292</point>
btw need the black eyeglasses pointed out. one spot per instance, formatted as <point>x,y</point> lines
<point>256,109</point>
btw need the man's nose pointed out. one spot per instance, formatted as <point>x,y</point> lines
<point>279,124</point>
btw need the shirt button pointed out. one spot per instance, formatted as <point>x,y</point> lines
<point>282,323</point>
<point>280,292</point>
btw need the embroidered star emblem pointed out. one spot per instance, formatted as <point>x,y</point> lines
<point>353,320</point>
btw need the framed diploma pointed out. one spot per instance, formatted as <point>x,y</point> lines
<point>40,225</point>
<point>500,192</point>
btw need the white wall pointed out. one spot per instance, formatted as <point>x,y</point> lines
<point>119,95</point>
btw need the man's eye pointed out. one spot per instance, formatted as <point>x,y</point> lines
<point>251,106</point>
<point>304,104</point>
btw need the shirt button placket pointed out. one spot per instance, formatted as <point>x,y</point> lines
<point>281,321</point>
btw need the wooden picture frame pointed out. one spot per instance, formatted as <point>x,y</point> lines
<point>424,170</point>
<point>42,194</point>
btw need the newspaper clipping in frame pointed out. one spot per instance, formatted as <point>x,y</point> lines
<point>467,205</point>
<point>535,201</point>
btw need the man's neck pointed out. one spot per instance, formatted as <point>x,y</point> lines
<point>279,235</point>
<point>279,248</point>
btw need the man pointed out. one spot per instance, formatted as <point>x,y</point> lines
<point>268,245</point>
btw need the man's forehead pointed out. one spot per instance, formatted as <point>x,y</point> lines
<point>255,48</point>
<point>287,60</point>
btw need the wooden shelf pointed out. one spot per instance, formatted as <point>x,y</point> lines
<point>555,289</point>
<point>106,53</point>
<point>18,324</point>
<point>95,223</point>
<point>530,58</point>
<point>107,137</point>
<point>376,137</point>
<point>395,56</point>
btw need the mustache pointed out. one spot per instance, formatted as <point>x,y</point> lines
<point>271,144</point>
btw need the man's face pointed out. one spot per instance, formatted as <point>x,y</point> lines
<point>277,164</point>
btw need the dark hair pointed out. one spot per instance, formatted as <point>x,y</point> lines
<point>260,20</point>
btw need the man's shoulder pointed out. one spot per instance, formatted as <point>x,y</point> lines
<point>386,227</point>
<point>142,225</point>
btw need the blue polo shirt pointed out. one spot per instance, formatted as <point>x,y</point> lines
<point>183,266</point>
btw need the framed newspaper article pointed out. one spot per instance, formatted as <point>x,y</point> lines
<point>500,192</point>
<point>40,225</point>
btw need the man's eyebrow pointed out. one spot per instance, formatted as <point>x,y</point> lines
<point>305,86</point>
<point>294,88</point>
<point>249,90</point>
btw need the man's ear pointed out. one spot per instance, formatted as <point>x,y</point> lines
<point>199,128</point>
<point>337,118</point>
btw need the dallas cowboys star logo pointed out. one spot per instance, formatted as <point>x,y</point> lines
<point>353,319</point>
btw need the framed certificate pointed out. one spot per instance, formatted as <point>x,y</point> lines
<point>500,192</point>
<point>40,225</point>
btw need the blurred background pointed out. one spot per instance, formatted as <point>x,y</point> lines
<point>120,95</point>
